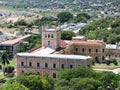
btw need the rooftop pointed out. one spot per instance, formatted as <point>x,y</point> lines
<point>11,42</point>
<point>90,42</point>
<point>111,46</point>
<point>56,56</point>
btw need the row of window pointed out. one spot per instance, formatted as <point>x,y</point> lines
<point>90,50</point>
<point>46,65</point>
<point>49,36</point>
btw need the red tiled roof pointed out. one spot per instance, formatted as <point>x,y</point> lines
<point>64,43</point>
<point>37,49</point>
<point>10,42</point>
<point>92,42</point>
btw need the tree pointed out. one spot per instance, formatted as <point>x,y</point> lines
<point>84,84</point>
<point>110,79</point>
<point>33,82</point>
<point>64,16</point>
<point>4,58</point>
<point>21,22</point>
<point>67,35</point>
<point>13,86</point>
<point>82,17</point>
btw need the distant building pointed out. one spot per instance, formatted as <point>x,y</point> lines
<point>13,45</point>
<point>56,54</point>
<point>113,51</point>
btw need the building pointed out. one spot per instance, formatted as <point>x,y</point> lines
<point>13,45</point>
<point>56,54</point>
<point>113,51</point>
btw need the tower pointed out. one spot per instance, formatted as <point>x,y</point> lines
<point>51,37</point>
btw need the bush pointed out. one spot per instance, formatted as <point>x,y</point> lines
<point>115,62</point>
<point>108,62</point>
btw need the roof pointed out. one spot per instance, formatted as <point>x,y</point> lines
<point>90,42</point>
<point>46,50</point>
<point>64,43</point>
<point>11,42</point>
<point>4,37</point>
<point>56,56</point>
<point>111,46</point>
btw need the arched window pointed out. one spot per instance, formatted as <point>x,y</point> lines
<point>54,75</point>
<point>22,71</point>
<point>38,73</point>
<point>52,36</point>
<point>96,59</point>
<point>45,36</point>
<point>22,63</point>
<point>48,35</point>
<point>30,64</point>
<point>48,43</point>
<point>103,58</point>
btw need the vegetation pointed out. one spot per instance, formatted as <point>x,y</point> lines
<point>67,35</point>
<point>99,30</point>
<point>33,42</point>
<point>64,16</point>
<point>84,78</point>
<point>29,81</point>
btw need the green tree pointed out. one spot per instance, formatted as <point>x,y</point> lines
<point>84,84</point>
<point>21,22</point>
<point>110,79</point>
<point>67,35</point>
<point>64,16</point>
<point>33,82</point>
<point>13,86</point>
<point>5,56</point>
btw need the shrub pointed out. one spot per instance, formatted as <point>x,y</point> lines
<point>115,62</point>
<point>107,62</point>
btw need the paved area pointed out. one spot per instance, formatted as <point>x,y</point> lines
<point>116,71</point>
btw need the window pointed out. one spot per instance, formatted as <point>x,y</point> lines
<point>22,63</point>
<point>30,64</point>
<point>89,50</point>
<point>62,66</point>
<point>38,73</point>
<point>52,36</point>
<point>96,59</point>
<point>83,50</point>
<point>48,35</point>
<point>103,58</point>
<point>76,49</point>
<point>103,50</point>
<point>38,64</point>
<point>54,75</point>
<point>22,71</point>
<point>96,50</point>
<point>45,36</point>
<point>46,65</point>
<point>54,65</point>
<point>71,66</point>
<point>48,43</point>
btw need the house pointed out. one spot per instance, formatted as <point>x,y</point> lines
<point>13,45</point>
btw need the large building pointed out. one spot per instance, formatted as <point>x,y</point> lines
<point>56,54</point>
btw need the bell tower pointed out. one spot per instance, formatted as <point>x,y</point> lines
<point>51,37</point>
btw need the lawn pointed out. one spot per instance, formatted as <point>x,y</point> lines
<point>104,66</point>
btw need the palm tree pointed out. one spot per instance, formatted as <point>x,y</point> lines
<point>4,59</point>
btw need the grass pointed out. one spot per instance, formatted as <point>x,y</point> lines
<point>104,66</point>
